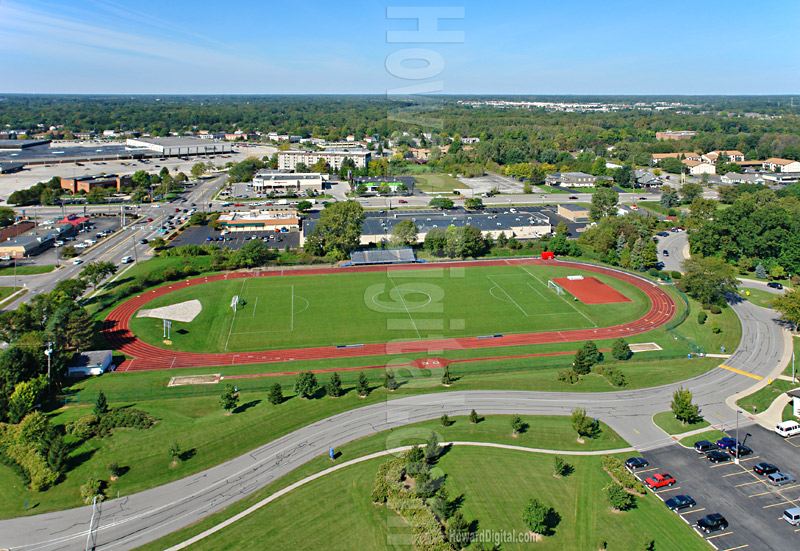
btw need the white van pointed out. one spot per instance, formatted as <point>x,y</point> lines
<point>126,260</point>
<point>788,428</point>
<point>792,516</point>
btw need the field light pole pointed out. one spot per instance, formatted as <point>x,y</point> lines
<point>737,436</point>
<point>49,353</point>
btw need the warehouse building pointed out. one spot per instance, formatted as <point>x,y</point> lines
<point>281,183</point>
<point>178,147</point>
<point>574,213</point>
<point>35,241</point>
<point>260,220</point>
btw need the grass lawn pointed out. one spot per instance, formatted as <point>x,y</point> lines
<point>763,397</point>
<point>495,485</point>
<point>437,183</point>
<point>667,422</point>
<point>729,336</point>
<point>759,297</point>
<point>788,413</point>
<point>306,310</point>
<point>710,435</point>
<point>788,370</point>
<point>26,270</point>
<point>6,292</point>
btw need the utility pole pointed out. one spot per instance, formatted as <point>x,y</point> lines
<point>49,353</point>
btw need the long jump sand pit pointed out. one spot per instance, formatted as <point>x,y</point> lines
<point>590,290</point>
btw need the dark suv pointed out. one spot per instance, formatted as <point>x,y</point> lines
<point>712,523</point>
<point>774,285</point>
<point>704,446</point>
<point>636,462</point>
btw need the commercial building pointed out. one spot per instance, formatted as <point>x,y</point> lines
<point>88,183</point>
<point>746,178</point>
<point>574,213</point>
<point>281,183</point>
<point>16,229</point>
<point>182,146</point>
<point>676,135</point>
<point>783,178</point>
<point>10,167</point>
<point>288,160</point>
<point>781,165</point>
<point>570,179</point>
<point>35,241</point>
<point>260,220</point>
<point>19,145</point>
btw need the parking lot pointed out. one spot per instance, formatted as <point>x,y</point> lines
<point>752,507</point>
<point>199,235</point>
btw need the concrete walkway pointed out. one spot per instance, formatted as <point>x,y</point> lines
<point>394,451</point>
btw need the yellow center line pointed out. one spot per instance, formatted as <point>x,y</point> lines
<point>740,372</point>
<point>719,535</point>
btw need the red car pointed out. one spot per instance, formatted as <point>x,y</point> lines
<point>149,219</point>
<point>238,204</point>
<point>402,201</point>
<point>659,481</point>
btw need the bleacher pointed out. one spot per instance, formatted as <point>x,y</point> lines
<point>382,256</point>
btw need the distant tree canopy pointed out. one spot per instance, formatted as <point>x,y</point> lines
<point>338,230</point>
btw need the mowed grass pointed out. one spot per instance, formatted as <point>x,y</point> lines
<point>710,435</point>
<point>26,270</point>
<point>788,370</point>
<point>667,422</point>
<point>362,308</point>
<point>759,297</point>
<point>6,292</point>
<point>763,397</point>
<point>435,183</point>
<point>495,485</point>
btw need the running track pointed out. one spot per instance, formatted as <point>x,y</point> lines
<point>116,327</point>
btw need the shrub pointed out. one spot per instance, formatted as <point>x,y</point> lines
<point>617,469</point>
<point>702,317</point>
<point>715,309</point>
<point>619,498</point>
<point>568,376</point>
<point>93,488</point>
<point>620,349</point>
<point>653,272</point>
<point>113,469</point>
<point>676,274</point>
<point>39,474</point>
<point>446,421</point>
<point>715,328</point>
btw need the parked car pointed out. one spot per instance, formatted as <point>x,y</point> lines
<point>726,443</point>
<point>779,479</point>
<point>765,468</point>
<point>712,523</point>
<point>704,446</point>
<point>680,502</point>
<point>59,243</point>
<point>665,252</point>
<point>740,451</point>
<point>663,234</point>
<point>774,285</point>
<point>659,481</point>
<point>717,456</point>
<point>787,428</point>
<point>636,462</point>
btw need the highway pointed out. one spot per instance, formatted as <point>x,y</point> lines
<point>131,521</point>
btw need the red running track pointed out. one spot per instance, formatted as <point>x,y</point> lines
<point>116,327</point>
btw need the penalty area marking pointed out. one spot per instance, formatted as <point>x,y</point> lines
<point>564,299</point>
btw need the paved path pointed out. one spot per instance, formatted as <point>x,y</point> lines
<point>677,245</point>
<point>116,327</point>
<point>137,519</point>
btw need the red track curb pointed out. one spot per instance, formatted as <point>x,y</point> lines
<point>116,326</point>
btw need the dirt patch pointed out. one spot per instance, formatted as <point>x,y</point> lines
<point>195,380</point>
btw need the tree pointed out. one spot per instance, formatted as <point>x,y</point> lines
<point>535,517</point>
<point>618,496</point>
<point>458,530</point>
<point>79,330</point>
<point>683,408</point>
<point>446,379</point>
<point>435,241</point>
<point>175,453</point>
<point>620,349</point>
<point>669,197</point>
<point>95,272</point>
<point>334,386</point>
<point>100,405</point>
<point>198,169</point>
<point>789,307</point>
<point>583,425</point>
<point>604,203</point>
<point>113,470</point>
<point>563,229</point>
<point>441,203</point>
<point>707,279</point>
<point>690,191</point>
<point>305,385</point>
<point>93,489</point>
<point>304,206</point>
<point>432,449</point>
<point>229,399</point>
<point>473,417</point>
<point>761,272</point>
<point>593,354</point>
<point>389,381</point>
<point>405,233</point>
<point>560,466</point>
<point>362,385</point>
<point>445,420</point>
<point>275,395</point>
<point>338,230</point>
<point>473,203</point>
<point>26,396</point>
<point>581,364</point>
<point>517,425</point>
<point>649,256</point>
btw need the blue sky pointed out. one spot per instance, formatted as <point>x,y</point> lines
<point>315,46</point>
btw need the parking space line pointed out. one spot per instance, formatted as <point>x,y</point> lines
<point>692,511</point>
<point>667,490</point>
<point>748,483</point>
<point>778,504</point>
<point>736,474</point>
<point>790,487</point>
<point>719,535</point>
<point>722,464</point>
<point>761,494</point>
<point>740,547</point>
<point>647,470</point>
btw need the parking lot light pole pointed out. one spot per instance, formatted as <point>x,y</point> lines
<point>737,437</point>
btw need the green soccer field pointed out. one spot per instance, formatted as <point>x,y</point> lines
<point>301,311</point>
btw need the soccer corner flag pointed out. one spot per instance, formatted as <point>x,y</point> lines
<point>330,451</point>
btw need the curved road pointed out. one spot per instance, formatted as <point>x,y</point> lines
<point>134,520</point>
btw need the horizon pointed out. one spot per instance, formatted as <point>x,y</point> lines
<point>93,47</point>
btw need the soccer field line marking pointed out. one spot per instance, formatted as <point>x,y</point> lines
<point>403,300</point>
<point>509,296</point>
<point>564,299</point>
<point>291,327</point>
<point>244,280</point>
<point>538,293</point>
<point>255,305</point>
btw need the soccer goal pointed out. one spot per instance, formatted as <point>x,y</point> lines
<point>235,303</point>
<point>552,285</point>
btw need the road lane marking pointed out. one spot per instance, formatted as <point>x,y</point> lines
<point>740,372</point>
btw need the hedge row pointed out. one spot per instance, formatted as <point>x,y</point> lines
<point>617,469</point>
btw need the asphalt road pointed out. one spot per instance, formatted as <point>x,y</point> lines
<point>674,245</point>
<point>131,521</point>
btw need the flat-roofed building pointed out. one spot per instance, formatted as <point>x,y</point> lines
<point>574,213</point>
<point>260,220</point>
<point>676,135</point>
<point>35,241</point>
<point>19,145</point>
<point>571,179</point>
<point>282,183</point>
<point>179,146</point>
<point>288,160</point>
<point>88,183</point>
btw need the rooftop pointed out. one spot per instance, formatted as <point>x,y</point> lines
<point>174,141</point>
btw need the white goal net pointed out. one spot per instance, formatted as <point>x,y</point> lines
<point>234,302</point>
<point>552,285</point>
